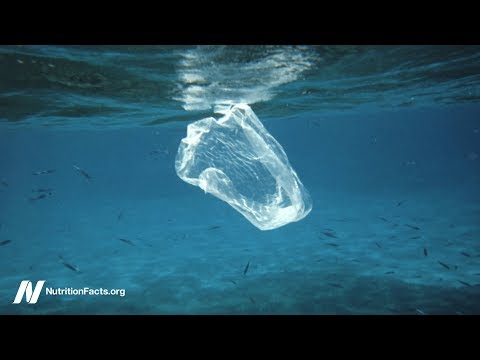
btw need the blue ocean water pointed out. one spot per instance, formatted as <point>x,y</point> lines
<point>385,138</point>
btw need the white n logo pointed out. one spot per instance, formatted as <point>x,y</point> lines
<point>30,295</point>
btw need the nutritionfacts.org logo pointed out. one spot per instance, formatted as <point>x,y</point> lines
<point>31,294</point>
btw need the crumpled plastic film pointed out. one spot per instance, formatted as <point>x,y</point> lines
<point>237,160</point>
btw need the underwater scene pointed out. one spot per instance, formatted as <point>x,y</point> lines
<point>239,180</point>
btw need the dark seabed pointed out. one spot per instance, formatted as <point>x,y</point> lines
<point>386,139</point>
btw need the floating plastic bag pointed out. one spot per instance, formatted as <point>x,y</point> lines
<point>238,161</point>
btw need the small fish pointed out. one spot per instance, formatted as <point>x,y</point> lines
<point>383,219</point>
<point>251,299</point>
<point>4,183</point>
<point>126,241</point>
<point>378,245</point>
<point>120,216</point>
<point>41,196</point>
<point>425,252</point>
<point>390,272</point>
<point>5,242</point>
<point>71,267</point>
<point>43,172</point>
<point>412,227</point>
<point>444,265</point>
<point>332,244</point>
<point>214,227</point>
<point>330,234</point>
<point>67,265</point>
<point>464,283</point>
<point>465,254</point>
<point>83,172</point>
<point>246,268</point>
<point>415,237</point>
<point>233,282</point>
<point>401,202</point>
<point>44,191</point>
<point>420,312</point>
<point>336,285</point>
